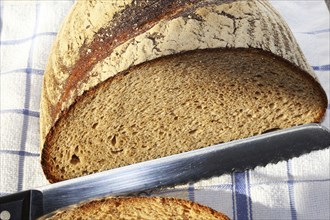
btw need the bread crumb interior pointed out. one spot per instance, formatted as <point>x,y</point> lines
<point>176,104</point>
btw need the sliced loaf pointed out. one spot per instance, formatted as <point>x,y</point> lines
<point>147,80</point>
<point>139,208</point>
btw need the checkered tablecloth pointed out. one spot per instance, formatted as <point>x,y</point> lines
<point>294,189</point>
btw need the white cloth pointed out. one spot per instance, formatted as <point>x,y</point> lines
<point>297,189</point>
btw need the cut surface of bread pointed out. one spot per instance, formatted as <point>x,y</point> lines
<point>140,208</point>
<point>179,103</point>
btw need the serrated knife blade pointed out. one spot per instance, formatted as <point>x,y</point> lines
<point>169,171</point>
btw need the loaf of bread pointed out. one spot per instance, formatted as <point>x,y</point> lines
<point>139,208</point>
<point>129,81</point>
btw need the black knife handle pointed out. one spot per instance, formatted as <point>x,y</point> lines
<point>25,205</point>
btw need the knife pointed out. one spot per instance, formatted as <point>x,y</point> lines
<point>181,168</point>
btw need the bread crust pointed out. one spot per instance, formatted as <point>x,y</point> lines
<point>96,204</point>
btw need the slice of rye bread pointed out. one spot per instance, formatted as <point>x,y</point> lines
<point>179,77</point>
<point>139,208</point>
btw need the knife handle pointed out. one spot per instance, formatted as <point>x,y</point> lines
<point>25,205</point>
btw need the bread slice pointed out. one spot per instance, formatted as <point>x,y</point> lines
<point>140,208</point>
<point>178,78</point>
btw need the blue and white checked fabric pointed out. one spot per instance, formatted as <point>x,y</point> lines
<point>294,189</point>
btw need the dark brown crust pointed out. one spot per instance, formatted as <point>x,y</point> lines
<point>45,155</point>
<point>196,206</point>
<point>134,20</point>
